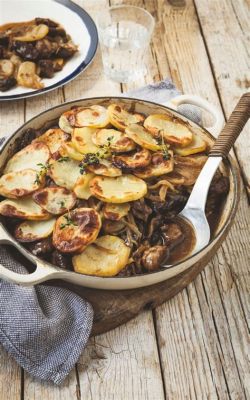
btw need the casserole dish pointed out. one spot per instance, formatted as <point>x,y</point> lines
<point>46,271</point>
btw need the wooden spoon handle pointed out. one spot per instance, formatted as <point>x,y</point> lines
<point>233,128</point>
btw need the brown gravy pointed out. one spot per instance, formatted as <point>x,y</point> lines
<point>182,250</point>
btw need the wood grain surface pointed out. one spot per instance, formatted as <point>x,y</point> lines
<point>195,346</point>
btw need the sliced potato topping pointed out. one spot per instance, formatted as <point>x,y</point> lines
<point>159,166</point>
<point>116,140</point>
<point>64,123</point>
<point>196,146</point>
<point>142,137</point>
<point>6,68</point>
<point>64,172</point>
<point>113,227</point>
<point>121,118</point>
<point>105,168</point>
<point>174,131</point>
<point>68,150</point>
<point>20,183</point>
<point>82,140</point>
<point>81,188</point>
<point>75,230</point>
<point>27,77</point>
<point>93,116</point>
<point>118,190</point>
<point>115,212</point>
<point>53,138</point>
<point>139,159</point>
<point>30,157</point>
<point>24,208</point>
<point>33,32</point>
<point>30,231</point>
<point>107,256</point>
<point>55,200</point>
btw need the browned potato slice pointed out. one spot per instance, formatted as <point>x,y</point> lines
<point>75,230</point>
<point>139,159</point>
<point>33,32</point>
<point>30,231</point>
<point>81,188</point>
<point>20,183</point>
<point>82,140</point>
<point>104,168</point>
<point>113,227</point>
<point>121,118</point>
<point>115,212</point>
<point>174,131</point>
<point>65,172</point>
<point>118,190</point>
<point>79,117</point>
<point>30,157</point>
<point>159,166</point>
<point>196,146</point>
<point>142,137</point>
<point>24,208</point>
<point>55,200</point>
<point>116,140</point>
<point>6,68</point>
<point>68,150</point>
<point>53,138</point>
<point>106,257</point>
<point>27,77</point>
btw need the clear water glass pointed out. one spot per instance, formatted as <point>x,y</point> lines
<point>124,35</point>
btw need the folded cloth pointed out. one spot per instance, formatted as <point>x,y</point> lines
<point>46,328</point>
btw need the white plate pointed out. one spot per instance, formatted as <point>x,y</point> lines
<point>77,23</point>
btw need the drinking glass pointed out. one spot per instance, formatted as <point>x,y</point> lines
<point>124,35</point>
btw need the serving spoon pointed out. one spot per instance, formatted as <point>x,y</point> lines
<point>194,211</point>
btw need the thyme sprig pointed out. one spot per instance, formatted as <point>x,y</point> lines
<point>43,171</point>
<point>164,147</point>
<point>95,158</point>
<point>68,222</point>
<point>63,159</point>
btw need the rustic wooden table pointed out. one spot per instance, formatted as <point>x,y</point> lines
<point>195,346</point>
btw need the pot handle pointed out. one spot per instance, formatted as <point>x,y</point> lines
<point>42,273</point>
<point>218,124</point>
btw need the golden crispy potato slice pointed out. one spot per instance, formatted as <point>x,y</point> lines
<point>68,150</point>
<point>142,137</point>
<point>27,77</point>
<point>139,159</point>
<point>81,188</point>
<point>65,172</point>
<point>75,230</point>
<point>93,116</point>
<point>159,166</point>
<point>30,231</point>
<point>20,183</point>
<point>64,122</point>
<point>105,168</point>
<point>24,208</point>
<point>115,212</point>
<point>121,118</point>
<point>55,200</point>
<point>33,32</point>
<point>82,140</point>
<point>107,256</point>
<point>116,140</point>
<point>196,146</point>
<point>53,138</point>
<point>174,131</point>
<point>30,157</point>
<point>118,190</point>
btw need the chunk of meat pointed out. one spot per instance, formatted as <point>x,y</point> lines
<point>7,83</point>
<point>25,50</point>
<point>42,247</point>
<point>173,204</point>
<point>141,210</point>
<point>46,21</point>
<point>172,235</point>
<point>46,68</point>
<point>45,48</point>
<point>154,257</point>
<point>61,260</point>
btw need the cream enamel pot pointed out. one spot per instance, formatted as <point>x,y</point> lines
<point>46,271</point>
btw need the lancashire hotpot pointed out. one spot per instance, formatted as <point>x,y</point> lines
<point>46,271</point>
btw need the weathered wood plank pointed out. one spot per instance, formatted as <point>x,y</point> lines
<point>10,377</point>
<point>122,364</point>
<point>228,45</point>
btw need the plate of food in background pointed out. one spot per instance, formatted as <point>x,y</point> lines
<point>43,45</point>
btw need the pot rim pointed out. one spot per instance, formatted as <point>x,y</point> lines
<point>229,161</point>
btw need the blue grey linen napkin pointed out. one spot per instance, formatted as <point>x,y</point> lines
<point>46,328</point>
